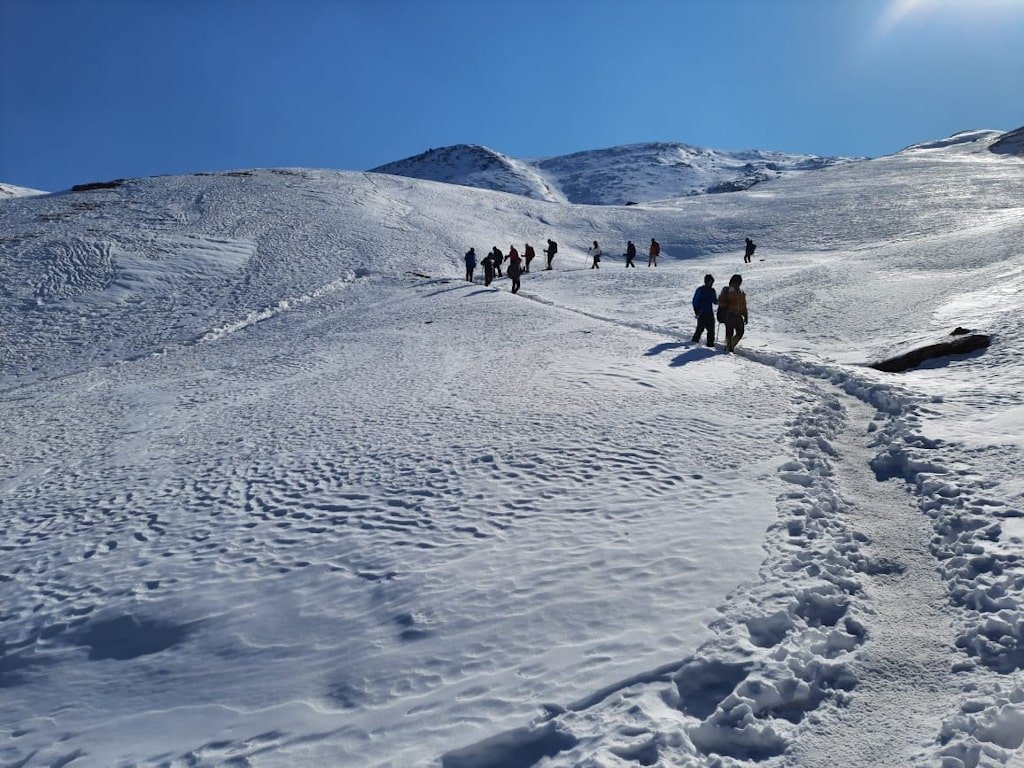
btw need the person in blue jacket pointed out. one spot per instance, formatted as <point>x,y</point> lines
<point>704,300</point>
<point>470,264</point>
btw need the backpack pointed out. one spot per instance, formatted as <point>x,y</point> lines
<point>723,305</point>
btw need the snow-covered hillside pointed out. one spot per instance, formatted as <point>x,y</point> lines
<point>8,191</point>
<point>616,176</point>
<point>471,165</point>
<point>280,488</point>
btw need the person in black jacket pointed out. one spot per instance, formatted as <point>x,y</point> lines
<point>704,300</point>
<point>514,270</point>
<point>630,254</point>
<point>488,265</point>
<point>551,250</point>
<point>470,264</point>
<point>748,251</point>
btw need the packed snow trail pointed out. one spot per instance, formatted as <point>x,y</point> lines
<point>905,685</point>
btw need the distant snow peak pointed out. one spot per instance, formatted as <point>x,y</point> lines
<point>9,190</point>
<point>473,165</point>
<point>611,176</point>
<point>957,139</point>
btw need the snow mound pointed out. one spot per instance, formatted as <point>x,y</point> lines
<point>471,165</point>
<point>624,175</point>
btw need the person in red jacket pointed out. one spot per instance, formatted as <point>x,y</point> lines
<point>653,252</point>
<point>528,256</point>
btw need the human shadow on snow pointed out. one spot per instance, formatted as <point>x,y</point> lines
<point>692,356</point>
<point>665,346</point>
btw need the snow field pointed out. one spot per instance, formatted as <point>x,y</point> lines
<point>269,497</point>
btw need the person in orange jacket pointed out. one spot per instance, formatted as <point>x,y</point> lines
<point>732,303</point>
<point>652,253</point>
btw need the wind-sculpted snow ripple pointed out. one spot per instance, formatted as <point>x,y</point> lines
<point>782,648</point>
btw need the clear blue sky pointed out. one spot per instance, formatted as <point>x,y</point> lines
<point>97,89</point>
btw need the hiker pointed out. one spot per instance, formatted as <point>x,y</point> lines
<point>496,258</point>
<point>470,264</point>
<point>552,249</point>
<point>732,307</point>
<point>748,251</point>
<point>513,257</point>
<point>630,254</point>
<point>595,254</point>
<point>704,300</point>
<point>514,271</point>
<point>652,253</point>
<point>488,265</point>
<point>528,256</point>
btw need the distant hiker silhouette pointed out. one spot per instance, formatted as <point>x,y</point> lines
<point>653,252</point>
<point>732,302</point>
<point>513,256</point>
<point>748,251</point>
<point>528,256</point>
<point>630,254</point>
<point>704,300</point>
<point>496,258</point>
<point>595,254</point>
<point>514,271</point>
<point>470,264</point>
<point>488,265</point>
<point>551,250</point>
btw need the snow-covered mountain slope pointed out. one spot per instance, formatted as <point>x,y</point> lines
<point>962,137</point>
<point>273,497</point>
<point>635,173</point>
<point>471,165</point>
<point>8,191</point>
<point>643,172</point>
<point>1011,143</point>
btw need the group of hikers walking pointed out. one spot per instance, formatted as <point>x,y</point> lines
<point>731,301</point>
<point>517,265</point>
<point>520,265</point>
<point>652,254</point>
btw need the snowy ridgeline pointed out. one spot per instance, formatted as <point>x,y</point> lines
<point>9,190</point>
<point>625,175</point>
<point>280,488</point>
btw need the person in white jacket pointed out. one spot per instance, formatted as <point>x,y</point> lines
<point>595,254</point>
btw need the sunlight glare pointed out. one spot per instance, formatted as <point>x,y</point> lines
<point>899,10</point>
